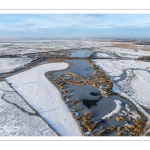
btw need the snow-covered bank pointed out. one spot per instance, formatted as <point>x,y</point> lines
<point>45,98</point>
<point>9,64</point>
<point>117,109</point>
<point>115,68</point>
<point>103,55</point>
<point>130,75</point>
<point>16,122</point>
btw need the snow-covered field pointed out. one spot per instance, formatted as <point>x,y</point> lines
<point>141,86</point>
<point>117,69</point>
<point>17,118</point>
<point>131,76</point>
<point>9,64</point>
<point>45,98</point>
<point>107,52</point>
<point>35,46</point>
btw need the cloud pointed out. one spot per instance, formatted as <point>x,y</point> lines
<point>35,22</point>
<point>43,23</point>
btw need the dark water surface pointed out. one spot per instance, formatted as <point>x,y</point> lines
<point>80,67</point>
<point>91,100</point>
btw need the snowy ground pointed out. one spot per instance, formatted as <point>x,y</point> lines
<point>104,55</point>
<point>45,98</point>
<point>9,64</point>
<point>113,52</point>
<point>17,118</point>
<point>35,46</point>
<point>132,77</point>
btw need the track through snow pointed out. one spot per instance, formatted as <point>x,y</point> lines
<point>45,98</point>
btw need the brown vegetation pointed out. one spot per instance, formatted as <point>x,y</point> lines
<point>87,123</point>
<point>144,58</point>
<point>118,119</point>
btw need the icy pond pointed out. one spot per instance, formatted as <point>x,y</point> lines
<point>91,100</point>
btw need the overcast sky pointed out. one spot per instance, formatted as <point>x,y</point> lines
<point>74,25</point>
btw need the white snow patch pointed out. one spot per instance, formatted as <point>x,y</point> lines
<point>115,89</point>
<point>125,53</point>
<point>114,68</point>
<point>9,64</point>
<point>1,131</point>
<point>133,115</point>
<point>130,113</point>
<point>140,86</point>
<point>104,55</point>
<point>12,97</point>
<point>118,107</point>
<point>128,125</point>
<point>44,97</point>
<point>127,108</point>
<point>14,121</point>
<point>4,86</point>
